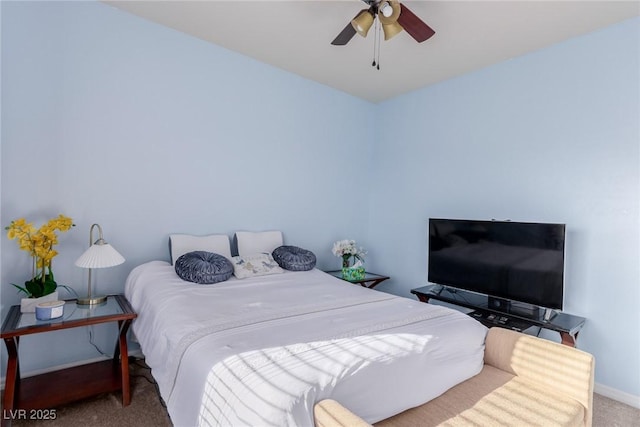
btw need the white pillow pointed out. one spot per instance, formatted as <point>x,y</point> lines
<point>251,243</point>
<point>185,243</point>
<point>255,265</point>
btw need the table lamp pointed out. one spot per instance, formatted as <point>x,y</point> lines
<point>99,255</point>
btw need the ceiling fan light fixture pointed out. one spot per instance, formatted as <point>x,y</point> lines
<point>362,23</point>
<point>386,9</point>
<point>391,30</point>
<point>389,12</point>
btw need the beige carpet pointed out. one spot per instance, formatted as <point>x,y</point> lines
<point>105,410</point>
<point>611,413</point>
<point>147,409</point>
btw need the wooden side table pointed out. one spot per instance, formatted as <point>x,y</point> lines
<point>370,280</point>
<point>52,389</point>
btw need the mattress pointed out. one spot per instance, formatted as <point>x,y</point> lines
<point>263,350</point>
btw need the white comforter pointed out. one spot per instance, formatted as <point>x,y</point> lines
<point>261,351</point>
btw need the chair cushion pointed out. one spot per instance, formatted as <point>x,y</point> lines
<point>203,267</point>
<point>294,258</point>
<point>494,398</point>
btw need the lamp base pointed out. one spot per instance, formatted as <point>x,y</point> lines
<point>92,300</point>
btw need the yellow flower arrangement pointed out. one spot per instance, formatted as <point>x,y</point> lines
<point>39,243</point>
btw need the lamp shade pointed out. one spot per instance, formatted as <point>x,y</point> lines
<point>99,256</point>
<point>385,9</point>
<point>391,30</point>
<point>362,23</point>
<point>392,17</point>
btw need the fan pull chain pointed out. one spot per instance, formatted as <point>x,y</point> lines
<point>375,40</point>
<point>379,34</point>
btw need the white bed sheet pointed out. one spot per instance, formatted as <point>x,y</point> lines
<point>263,350</point>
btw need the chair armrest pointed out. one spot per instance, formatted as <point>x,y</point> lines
<point>564,369</point>
<point>329,413</point>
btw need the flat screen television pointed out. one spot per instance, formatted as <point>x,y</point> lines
<point>508,261</point>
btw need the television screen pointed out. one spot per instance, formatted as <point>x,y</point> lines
<point>515,261</point>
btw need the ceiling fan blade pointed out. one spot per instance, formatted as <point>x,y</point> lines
<point>414,25</point>
<point>346,34</point>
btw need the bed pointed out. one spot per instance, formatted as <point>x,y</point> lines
<point>263,350</point>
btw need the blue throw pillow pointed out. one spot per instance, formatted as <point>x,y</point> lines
<point>203,267</point>
<point>294,258</point>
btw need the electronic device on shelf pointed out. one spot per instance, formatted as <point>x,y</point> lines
<point>491,319</point>
<point>519,266</point>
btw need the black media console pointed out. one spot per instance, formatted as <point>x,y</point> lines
<point>511,315</point>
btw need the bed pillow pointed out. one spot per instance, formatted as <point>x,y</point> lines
<point>203,267</point>
<point>293,258</point>
<point>251,243</point>
<point>255,265</point>
<point>185,243</point>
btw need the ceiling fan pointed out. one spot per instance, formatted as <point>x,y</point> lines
<point>394,17</point>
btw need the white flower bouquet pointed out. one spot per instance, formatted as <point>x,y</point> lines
<point>347,249</point>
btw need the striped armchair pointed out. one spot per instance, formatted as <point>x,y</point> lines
<point>526,381</point>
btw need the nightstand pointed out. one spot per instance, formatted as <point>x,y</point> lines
<point>51,389</point>
<point>370,280</point>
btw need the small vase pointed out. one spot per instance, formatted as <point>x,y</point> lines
<point>345,263</point>
<point>28,305</point>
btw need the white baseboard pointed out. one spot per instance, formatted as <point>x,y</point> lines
<point>134,353</point>
<point>620,396</point>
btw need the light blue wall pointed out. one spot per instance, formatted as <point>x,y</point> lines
<point>552,136</point>
<point>111,119</point>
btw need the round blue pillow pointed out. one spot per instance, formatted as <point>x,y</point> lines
<point>294,258</point>
<point>203,267</point>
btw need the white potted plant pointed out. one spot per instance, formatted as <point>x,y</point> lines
<point>39,244</point>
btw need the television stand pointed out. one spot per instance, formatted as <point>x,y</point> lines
<point>500,304</point>
<point>514,315</point>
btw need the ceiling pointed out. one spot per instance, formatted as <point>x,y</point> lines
<point>295,36</point>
